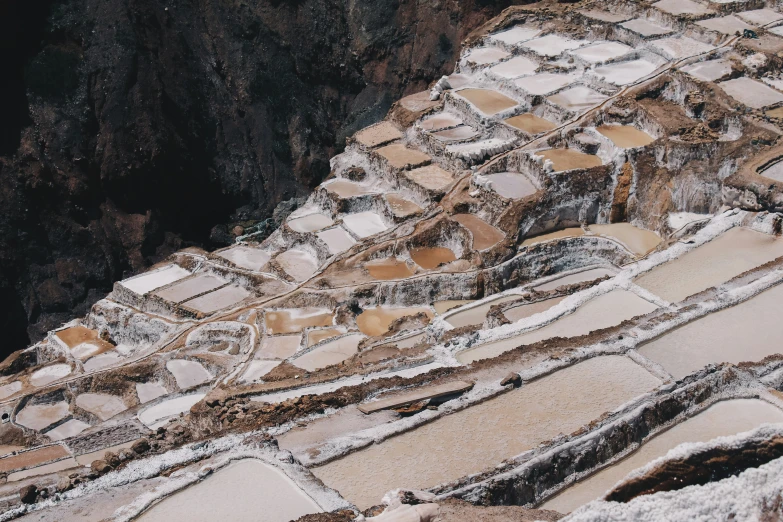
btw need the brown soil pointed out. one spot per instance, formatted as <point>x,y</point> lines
<point>454,510</point>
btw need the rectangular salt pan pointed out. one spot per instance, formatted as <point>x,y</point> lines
<point>552,45</point>
<point>710,70</point>
<point>679,47</point>
<point>725,25</point>
<point>578,98</point>
<point>189,288</point>
<point>761,16</point>
<point>625,73</point>
<point>602,52</point>
<point>645,27</point>
<point>336,239</point>
<point>682,7</point>
<point>483,435</point>
<point>751,92</point>
<point>516,35</point>
<point>155,279</point>
<point>364,224</point>
<point>515,67</point>
<point>246,257</point>
<point>486,55</point>
<point>714,263</point>
<point>546,83</point>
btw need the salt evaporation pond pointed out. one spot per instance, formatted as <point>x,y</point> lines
<point>310,223</point>
<point>578,98</point>
<point>569,159</point>
<point>552,45</point>
<point>257,369</point>
<point>483,435</point>
<point>149,391</point>
<point>624,73</point>
<point>244,491</point>
<point>246,257</point>
<point>625,136</point>
<point>512,185</point>
<point>545,83</point>
<point>530,123</point>
<point>431,177</point>
<point>219,299</point>
<point>345,189</point>
<point>682,7</point>
<point>602,52</point>
<point>442,120</point>
<point>527,310</point>
<point>578,277</point>
<point>49,374</point>
<point>295,320</point>
<point>9,389</point>
<point>515,67</point>
<point>477,314</point>
<point>329,353</point>
<point>441,307</point>
<point>432,257</point>
<point>187,373</point>
<point>376,321</point>
<point>645,27</point>
<point>710,70</point>
<point>67,429</point>
<point>600,312</point>
<point>558,234</point>
<point>279,347</point>
<point>734,252</point>
<point>402,207</point>
<point>487,101</point>
<point>155,279</point>
<point>300,265</point>
<point>461,133</point>
<point>190,288</point>
<point>748,331</point>
<point>40,416</point>
<point>720,420</point>
<point>751,92</point>
<point>637,240</point>
<point>484,235</point>
<point>336,239</point>
<point>516,35</point>
<point>316,336</point>
<point>389,268</point>
<point>679,47</point>
<point>399,156</point>
<point>101,405</point>
<point>364,224</point>
<point>159,414</point>
<point>486,55</point>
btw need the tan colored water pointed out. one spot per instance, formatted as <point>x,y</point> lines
<point>477,314</point>
<point>432,257</point>
<point>299,264</point>
<point>389,268</point>
<point>346,189</point>
<point>601,312</point>
<point>463,132</point>
<point>625,136</point>
<point>379,134</point>
<point>310,223</point>
<point>332,352</point>
<point>431,177</point>
<point>638,240</point>
<point>39,416</point>
<point>101,405</point>
<point>723,258</point>
<point>748,331</point>
<point>76,335</point>
<point>484,234</point>
<point>442,307</point>
<point>442,120</point>
<point>316,336</point>
<point>402,207</point>
<point>531,124</point>
<point>400,156</point>
<point>559,234</point>
<point>244,491</point>
<point>279,347</point>
<point>523,312</point>
<point>297,319</point>
<point>720,420</point>
<point>488,101</point>
<point>567,159</point>
<point>376,321</point>
<point>33,458</point>
<point>483,435</point>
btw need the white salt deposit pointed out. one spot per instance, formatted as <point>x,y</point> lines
<point>682,7</point>
<point>545,83</point>
<point>601,52</point>
<point>187,373</point>
<point>300,265</point>
<point>645,27</point>
<point>257,369</point>
<point>310,223</point>
<point>516,35</point>
<point>102,361</point>
<point>515,67</point>
<point>679,47</point>
<point>337,239</point>
<point>578,277</point>
<point>49,374</point>
<point>442,120</point>
<point>327,354</point>
<point>760,16</point>
<point>751,92</point>
<point>578,99</point>
<point>486,55</point>
<point>364,224</point>
<point>159,414</point>
<point>246,257</point>
<point>149,391</point>
<point>150,281</point>
<point>725,25</point>
<point>39,416</point>
<point>552,45</point>
<point>677,220</point>
<point>218,300</point>
<point>102,405</point>
<point>625,73</point>
<point>511,185</point>
<point>67,429</point>
<point>710,70</point>
<point>774,171</point>
<point>9,389</point>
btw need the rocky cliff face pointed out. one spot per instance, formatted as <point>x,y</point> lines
<point>128,128</point>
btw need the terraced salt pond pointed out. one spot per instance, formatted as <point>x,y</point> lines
<point>298,264</point>
<point>558,234</point>
<point>389,268</point>
<point>246,257</point>
<point>734,252</point>
<point>484,235</point>
<point>625,136</point>
<point>488,101</point>
<point>568,159</point>
<point>329,353</point>
<point>159,414</point>
<point>578,277</point>
<point>527,310</point>
<point>432,257</point>
<point>720,420</point>
<point>477,314</point>
<point>310,223</point>
<point>601,312</point>
<point>637,240</point>
<point>531,124</point>
<point>511,185</point>
<point>246,491</point>
<point>295,320</point>
<point>748,331</point>
<point>376,321</point>
<point>483,435</point>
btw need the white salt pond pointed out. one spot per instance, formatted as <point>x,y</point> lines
<point>67,429</point>
<point>751,92</point>
<point>644,27</point>
<point>187,373</point>
<point>516,35</point>
<point>101,405</point>
<point>49,374</point>
<point>710,70</point>
<point>460,133</point>
<point>558,234</point>
<point>605,16</point>
<point>637,240</point>
<point>364,224</point>
<point>442,120</point>
<point>601,312</point>
<point>552,45</point>
<point>257,369</point>
<point>244,491</point>
<point>155,279</point>
<point>719,420</point>
<point>477,314</point>
<point>483,435</point>
<point>376,321</point>
<point>678,47</point>
<point>544,83</point>
<point>7,390</point>
<point>578,99</point>
<point>486,55</point>
<point>528,310</point>
<point>190,288</point>
<point>774,171</point>
<point>760,16</point>
<point>729,255</point>
<point>512,185</point>
<point>624,73</point>
<point>336,239</point>
<point>602,52</point>
<point>218,300</point>
<point>327,354</point>
<point>431,177</point>
<point>40,416</point>
<point>246,257</point>
<point>515,67</point>
<point>159,414</point>
<point>101,361</point>
<point>279,347</point>
<point>748,331</point>
<point>300,265</point>
<point>310,223</point>
<point>149,391</point>
<point>578,277</point>
<point>677,220</point>
<point>682,7</point>
<point>378,134</point>
<point>725,25</point>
